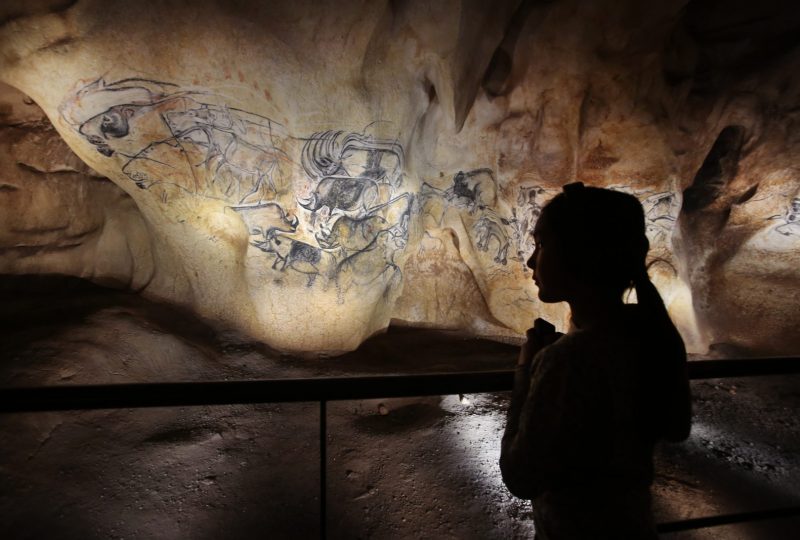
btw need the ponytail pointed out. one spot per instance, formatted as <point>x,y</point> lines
<point>601,224</point>
<point>665,384</point>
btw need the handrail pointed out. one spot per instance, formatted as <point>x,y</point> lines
<point>134,395</point>
<point>178,394</point>
<point>727,519</point>
<point>139,395</point>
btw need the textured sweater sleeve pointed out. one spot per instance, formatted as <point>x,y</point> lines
<point>575,421</point>
<point>537,431</point>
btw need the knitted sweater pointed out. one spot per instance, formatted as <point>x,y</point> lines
<point>574,432</point>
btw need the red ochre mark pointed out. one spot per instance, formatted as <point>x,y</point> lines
<point>255,85</point>
<point>599,158</point>
<point>195,82</point>
<point>267,94</point>
<point>241,76</point>
<point>227,71</point>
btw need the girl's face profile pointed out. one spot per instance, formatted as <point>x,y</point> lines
<point>547,262</point>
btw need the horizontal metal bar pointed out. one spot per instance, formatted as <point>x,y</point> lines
<point>727,519</point>
<point>135,395</point>
<point>743,367</point>
<point>139,395</point>
<point>116,396</point>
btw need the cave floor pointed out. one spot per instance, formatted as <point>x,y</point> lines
<point>398,468</point>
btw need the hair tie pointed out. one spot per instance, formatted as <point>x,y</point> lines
<point>573,188</point>
<point>641,276</point>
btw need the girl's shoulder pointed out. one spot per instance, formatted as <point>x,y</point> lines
<point>593,346</point>
<point>565,352</point>
<point>576,342</point>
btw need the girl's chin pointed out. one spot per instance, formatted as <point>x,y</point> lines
<point>547,298</point>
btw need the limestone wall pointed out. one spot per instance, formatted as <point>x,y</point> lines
<point>310,171</point>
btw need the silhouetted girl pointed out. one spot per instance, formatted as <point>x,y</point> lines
<point>589,406</point>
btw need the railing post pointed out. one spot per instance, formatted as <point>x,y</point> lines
<point>323,529</point>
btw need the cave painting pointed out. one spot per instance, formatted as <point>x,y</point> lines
<point>329,212</point>
<point>356,207</point>
<point>790,220</point>
<point>661,209</point>
<point>489,231</point>
<point>384,164</point>
<point>530,201</point>
<point>660,212</point>
<point>359,212</point>
<point>472,195</point>
<point>166,135</point>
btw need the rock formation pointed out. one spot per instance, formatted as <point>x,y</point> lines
<point>308,172</point>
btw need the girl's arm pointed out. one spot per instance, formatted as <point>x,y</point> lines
<point>530,398</point>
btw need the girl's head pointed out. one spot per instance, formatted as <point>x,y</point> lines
<point>588,239</point>
<point>590,246</point>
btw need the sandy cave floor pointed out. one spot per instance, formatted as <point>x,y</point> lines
<point>427,469</point>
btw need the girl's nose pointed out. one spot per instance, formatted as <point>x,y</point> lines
<point>531,262</point>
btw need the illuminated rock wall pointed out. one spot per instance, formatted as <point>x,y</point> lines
<point>57,216</point>
<point>309,172</point>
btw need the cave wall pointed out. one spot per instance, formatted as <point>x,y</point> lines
<point>308,172</point>
<point>57,215</point>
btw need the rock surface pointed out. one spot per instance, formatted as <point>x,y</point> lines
<point>58,216</point>
<point>412,468</point>
<point>309,172</point>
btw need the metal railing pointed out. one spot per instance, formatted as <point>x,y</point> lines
<point>141,395</point>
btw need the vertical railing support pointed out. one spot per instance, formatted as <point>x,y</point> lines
<point>323,435</point>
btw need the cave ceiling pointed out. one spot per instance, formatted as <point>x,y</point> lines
<point>310,172</point>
